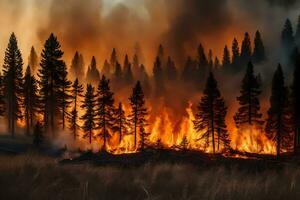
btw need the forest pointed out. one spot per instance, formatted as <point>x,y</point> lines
<point>123,108</point>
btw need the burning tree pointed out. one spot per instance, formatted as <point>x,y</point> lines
<point>105,110</point>
<point>30,99</point>
<point>76,92</point>
<point>211,113</point>
<point>121,122</point>
<point>50,81</point>
<point>249,111</point>
<point>137,118</point>
<point>89,116</point>
<point>278,125</point>
<point>13,81</point>
<point>93,74</point>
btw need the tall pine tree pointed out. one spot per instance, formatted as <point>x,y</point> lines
<point>93,74</point>
<point>249,111</point>
<point>30,99</point>
<point>33,60</point>
<point>259,49</point>
<point>246,50</point>
<point>77,66</point>
<point>121,122</point>
<point>50,81</point>
<point>235,56</point>
<point>278,125</point>
<point>76,93</point>
<point>13,81</point>
<point>287,38</point>
<point>226,58</point>
<point>137,117</point>
<point>211,115</point>
<point>105,110</point>
<point>89,116</point>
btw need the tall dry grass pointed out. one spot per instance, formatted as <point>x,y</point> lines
<point>32,176</point>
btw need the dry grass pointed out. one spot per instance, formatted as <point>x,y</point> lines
<point>33,176</point>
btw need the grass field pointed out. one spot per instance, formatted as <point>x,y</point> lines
<point>32,176</point>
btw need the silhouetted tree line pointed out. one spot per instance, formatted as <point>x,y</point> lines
<point>51,101</point>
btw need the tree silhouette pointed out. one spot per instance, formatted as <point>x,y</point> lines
<point>105,110</point>
<point>210,60</point>
<point>50,80</point>
<point>217,64</point>
<point>77,66</point>
<point>136,66</point>
<point>113,58</point>
<point>235,56</point>
<point>137,117</point>
<point>76,92</point>
<point>106,70</point>
<point>128,75</point>
<point>259,49</point>
<point>226,58</point>
<point>246,50</point>
<point>211,113</point>
<point>249,111</point>
<point>189,72</point>
<point>13,81</point>
<point>33,60</point>
<point>171,71</point>
<point>278,125</point>
<point>64,97</point>
<point>89,117</point>
<point>158,74</point>
<point>30,99</point>
<point>121,122</point>
<point>287,38</point>
<point>295,97</point>
<point>202,64</point>
<point>93,74</point>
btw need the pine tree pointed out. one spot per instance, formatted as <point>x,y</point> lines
<point>113,58</point>
<point>249,111</point>
<point>105,110</point>
<point>235,55</point>
<point>226,58</point>
<point>161,53</point>
<point>33,60</point>
<point>259,49</point>
<point>295,99</point>
<point>93,74</point>
<point>287,38</point>
<point>211,115</point>
<point>77,66</point>
<point>64,97</point>
<point>30,99</point>
<point>128,75</point>
<point>137,117</point>
<point>136,66</point>
<point>106,70</point>
<point>50,81</point>
<point>76,93</point>
<point>158,74</point>
<point>13,81</point>
<point>121,122</point>
<point>246,50</point>
<point>202,67</point>
<point>278,125</point>
<point>89,117</point>
<point>171,71</point>
<point>189,72</point>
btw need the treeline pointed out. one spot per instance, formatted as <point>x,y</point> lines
<point>51,101</point>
